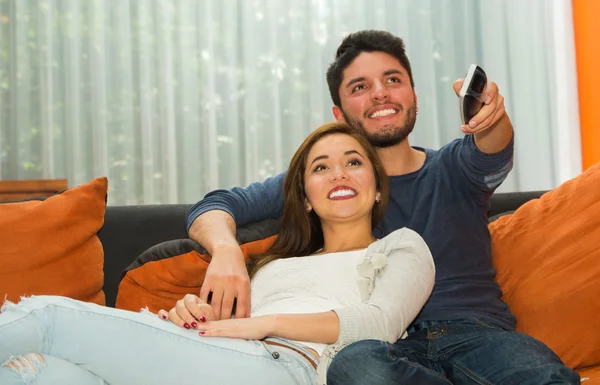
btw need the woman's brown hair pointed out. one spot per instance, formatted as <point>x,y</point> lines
<point>300,232</point>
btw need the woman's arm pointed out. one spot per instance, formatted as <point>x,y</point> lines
<point>398,292</point>
<point>318,327</point>
<point>393,296</point>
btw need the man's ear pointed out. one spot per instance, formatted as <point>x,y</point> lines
<point>416,99</point>
<point>338,114</point>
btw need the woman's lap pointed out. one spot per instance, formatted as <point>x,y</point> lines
<point>124,347</point>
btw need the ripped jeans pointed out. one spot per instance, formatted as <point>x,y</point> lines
<point>46,340</point>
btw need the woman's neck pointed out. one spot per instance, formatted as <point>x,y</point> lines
<point>347,236</point>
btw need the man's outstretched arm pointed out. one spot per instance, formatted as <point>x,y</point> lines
<point>213,222</point>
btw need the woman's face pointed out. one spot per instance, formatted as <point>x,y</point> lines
<point>339,180</point>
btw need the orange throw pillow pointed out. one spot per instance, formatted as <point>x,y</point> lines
<point>547,256</point>
<point>50,246</point>
<point>163,274</point>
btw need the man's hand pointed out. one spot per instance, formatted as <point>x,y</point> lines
<point>491,125</point>
<point>490,113</point>
<point>227,276</point>
<point>228,281</point>
<point>255,328</point>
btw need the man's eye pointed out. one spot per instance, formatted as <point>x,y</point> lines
<point>358,88</point>
<point>393,79</point>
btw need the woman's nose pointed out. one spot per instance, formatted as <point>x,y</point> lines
<point>338,173</point>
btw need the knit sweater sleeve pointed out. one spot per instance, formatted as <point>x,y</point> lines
<point>398,276</point>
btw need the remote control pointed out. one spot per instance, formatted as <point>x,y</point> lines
<point>471,95</point>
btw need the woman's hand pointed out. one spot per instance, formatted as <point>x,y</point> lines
<point>254,328</point>
<point>188,312</point>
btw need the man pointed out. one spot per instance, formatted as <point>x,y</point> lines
<point>465,333</point>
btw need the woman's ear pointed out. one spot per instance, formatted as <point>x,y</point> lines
<point>307,205</point>
<point>378,197</point>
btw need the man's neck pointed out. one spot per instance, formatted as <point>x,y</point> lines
<point>401,159</point>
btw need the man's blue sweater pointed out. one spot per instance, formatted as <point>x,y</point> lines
<point>445,201</point>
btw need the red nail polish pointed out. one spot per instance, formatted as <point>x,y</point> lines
<point>203,319</point>
<point>202,333</point>
<point>194,325</point>
<point>186,326</point>
<point>164,317</point>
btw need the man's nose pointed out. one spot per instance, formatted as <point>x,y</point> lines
<point>379,92</point>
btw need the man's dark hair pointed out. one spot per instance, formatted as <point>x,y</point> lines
<point>356,43</point>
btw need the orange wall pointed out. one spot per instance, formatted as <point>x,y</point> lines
<point>586,20</point>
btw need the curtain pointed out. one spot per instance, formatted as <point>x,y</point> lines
<point>174,98</point>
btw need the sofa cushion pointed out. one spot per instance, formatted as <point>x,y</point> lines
<point>547,256</point>
<point>50,246</point>
<point>590,376</point>
<point>166,272</point>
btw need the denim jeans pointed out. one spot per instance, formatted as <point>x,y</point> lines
<point>464,352</point>
<point>55,340</point>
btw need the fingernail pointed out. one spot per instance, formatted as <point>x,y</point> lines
<point>194,325</point>
<point>203,319</point>
<point>186,326</point>
<point>202,333</point>
<point>488,100</point>
<point>472,123</point>
<point>164,317</point>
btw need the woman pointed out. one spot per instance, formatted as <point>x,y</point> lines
<point>325,283</point>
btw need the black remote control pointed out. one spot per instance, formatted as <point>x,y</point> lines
<point>471,94</point>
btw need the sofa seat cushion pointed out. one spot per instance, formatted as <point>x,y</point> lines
<point>50,246</point>
<point>547,256</point>
<point>590,376</point>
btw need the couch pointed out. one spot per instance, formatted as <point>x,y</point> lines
<point>93,252</point>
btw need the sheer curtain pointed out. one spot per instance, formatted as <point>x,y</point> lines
<point>173,98</point>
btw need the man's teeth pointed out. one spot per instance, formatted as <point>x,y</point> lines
<point>342,193</point>
<point>379,113</point>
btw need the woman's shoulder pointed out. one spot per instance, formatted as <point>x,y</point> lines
<point>399,237</point>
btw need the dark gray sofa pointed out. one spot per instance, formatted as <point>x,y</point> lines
<point>130,230</point>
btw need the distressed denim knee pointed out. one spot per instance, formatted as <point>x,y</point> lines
<point>40,369</point>
<point>26,367</point>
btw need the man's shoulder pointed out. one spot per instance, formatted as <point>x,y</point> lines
<point>444,156</point>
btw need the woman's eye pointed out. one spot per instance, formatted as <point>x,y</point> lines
<point>354,162</point>
<point>319,167</point>
<point>358,88</point>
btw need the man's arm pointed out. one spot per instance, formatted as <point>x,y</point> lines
<point>258,201</point>
<point>213,222</point>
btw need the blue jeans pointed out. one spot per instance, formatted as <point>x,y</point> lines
<point>56,340</point>
<point>457,352</point>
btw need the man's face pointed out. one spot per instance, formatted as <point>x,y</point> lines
<point>378,99</point>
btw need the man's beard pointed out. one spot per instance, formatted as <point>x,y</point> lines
<point>389,135</point>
